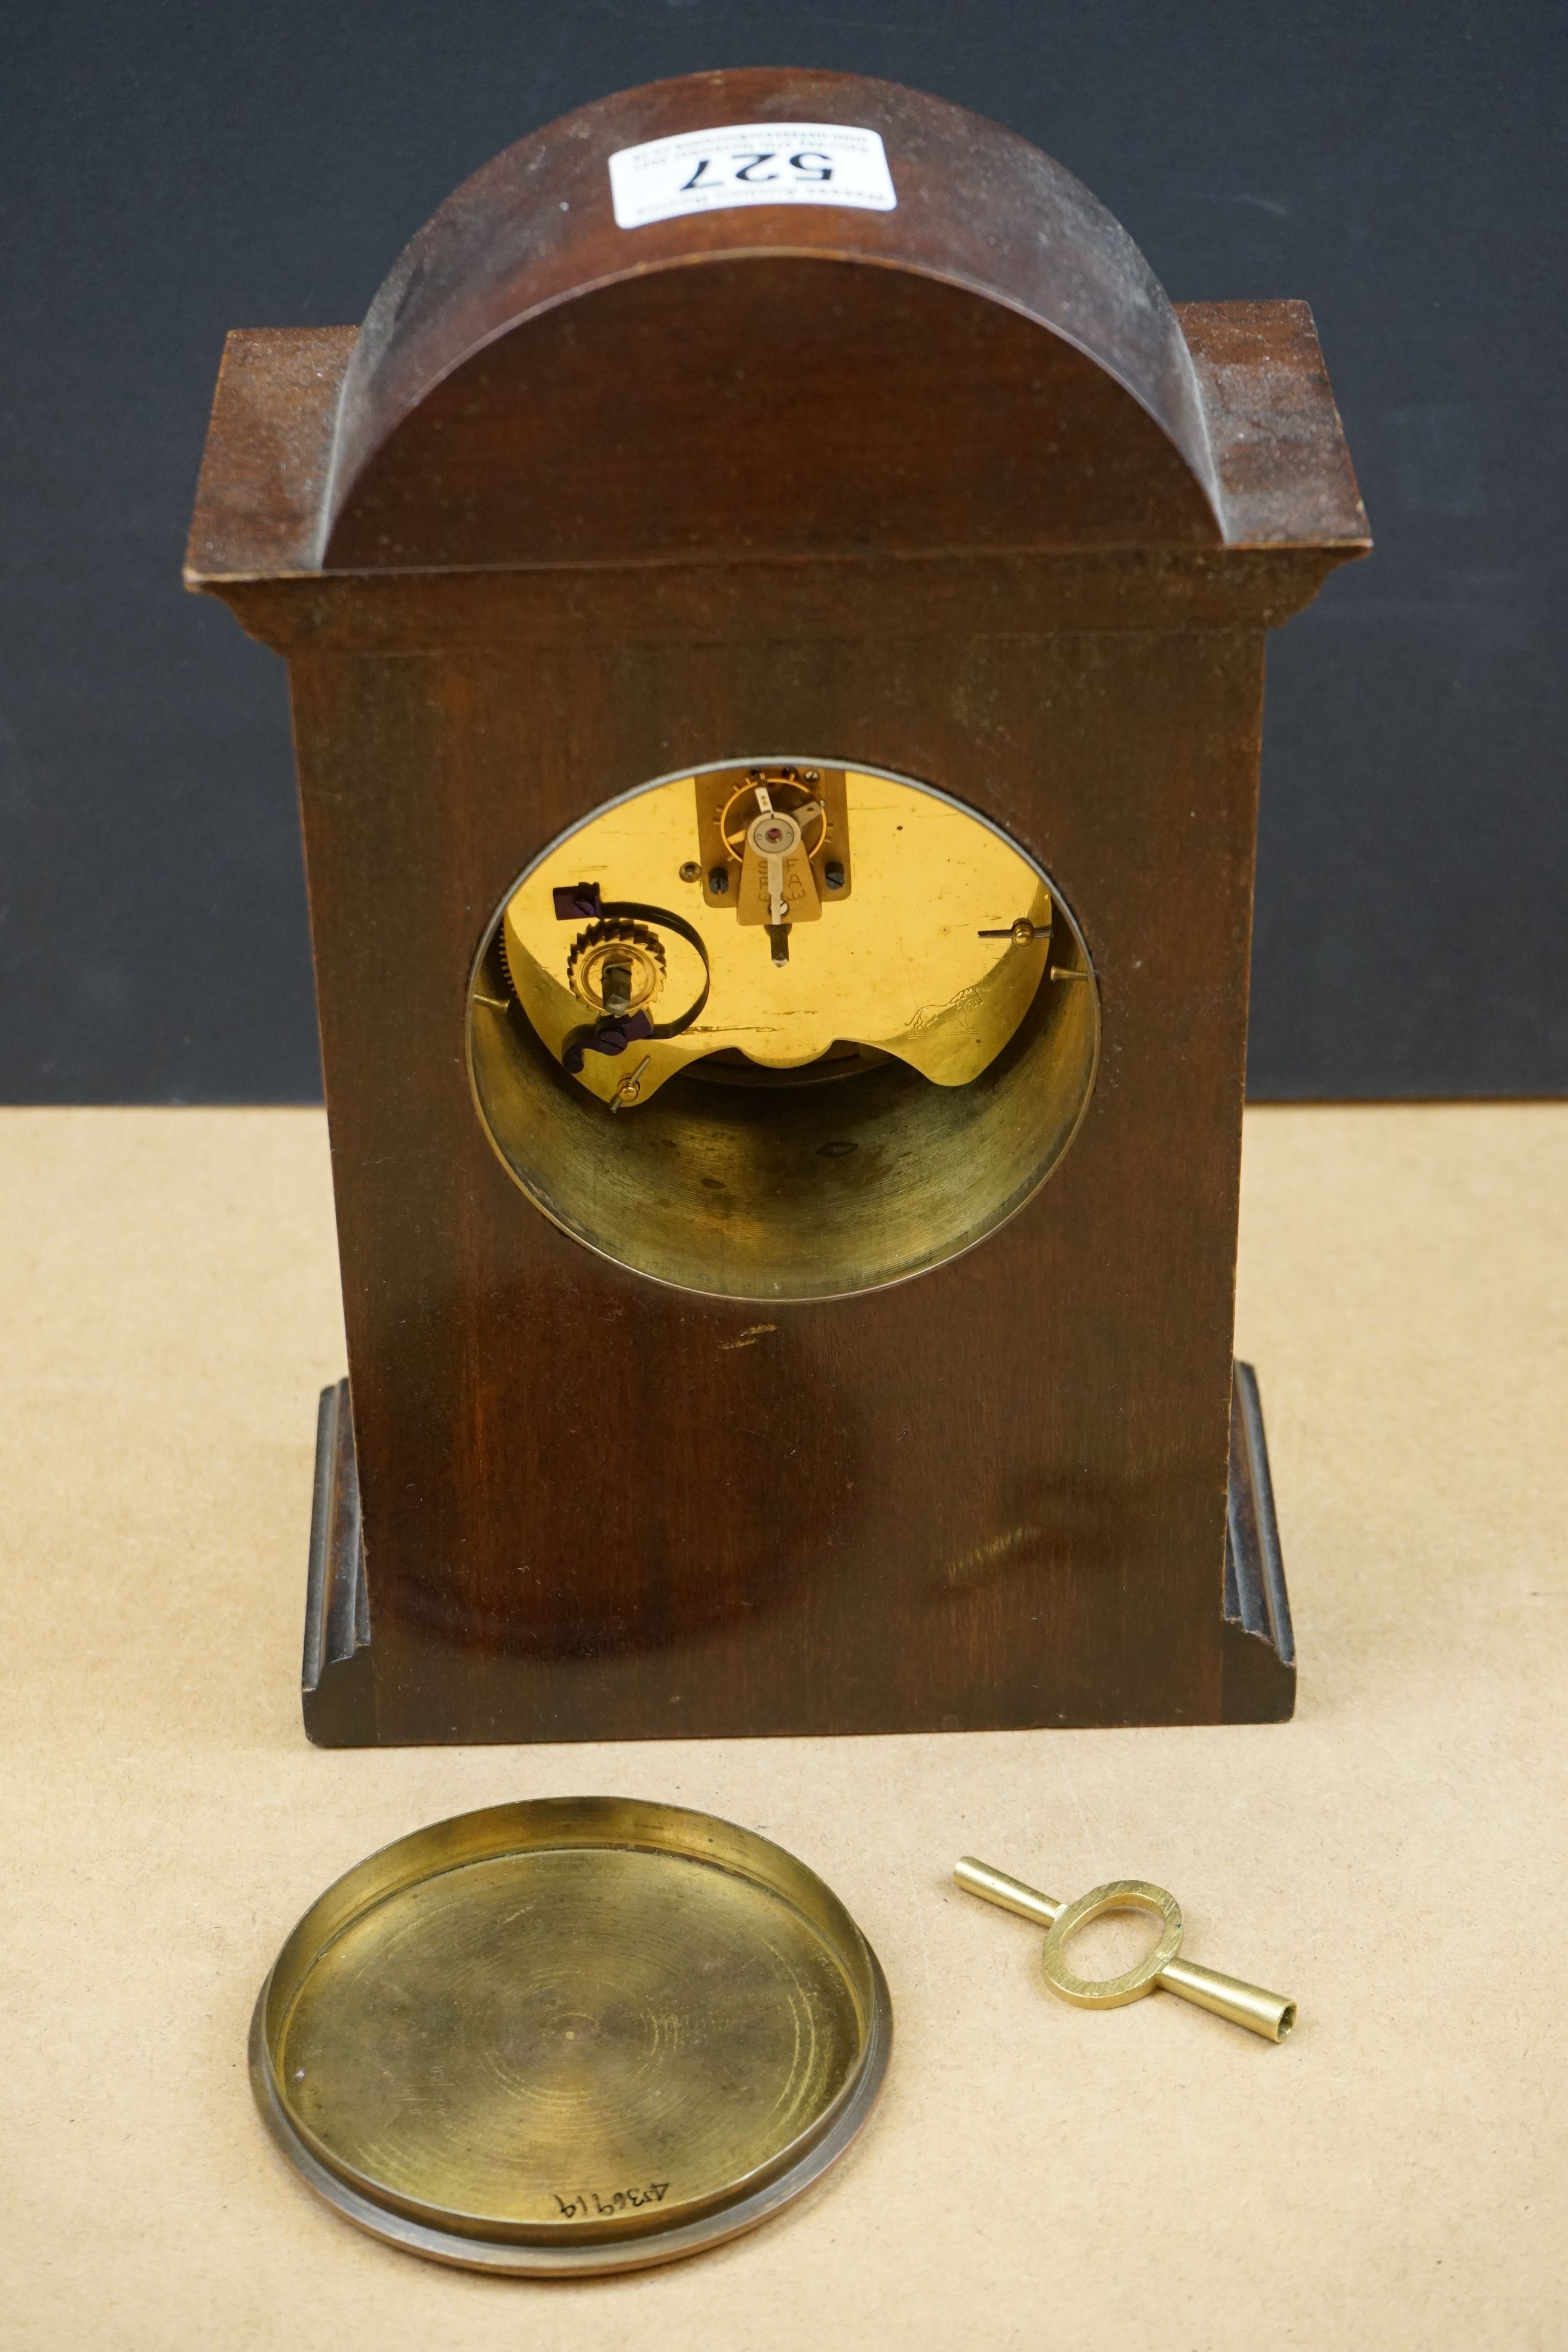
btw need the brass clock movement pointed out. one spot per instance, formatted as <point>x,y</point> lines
<point>774,596</point>
<point>708,954</point>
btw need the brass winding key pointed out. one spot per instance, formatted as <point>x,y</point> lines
<point>1267,2013</point>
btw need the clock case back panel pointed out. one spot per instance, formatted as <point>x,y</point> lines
<point>967,501</point>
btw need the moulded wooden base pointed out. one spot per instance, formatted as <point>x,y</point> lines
<point>338,1682</point>
<point>1258,1683</point>
<point>337,1689</point>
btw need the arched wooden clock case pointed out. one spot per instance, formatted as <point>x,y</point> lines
<point>777,693</point>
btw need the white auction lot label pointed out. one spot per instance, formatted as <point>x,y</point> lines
<point>750,164</point>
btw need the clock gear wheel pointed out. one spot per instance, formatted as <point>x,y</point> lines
<point>615,967</point>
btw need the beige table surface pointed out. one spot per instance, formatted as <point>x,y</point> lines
<point>1395,2174</point>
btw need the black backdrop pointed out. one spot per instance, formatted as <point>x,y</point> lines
<point>173,170</point>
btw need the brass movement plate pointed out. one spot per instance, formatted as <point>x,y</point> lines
<point>912,954</point>
<point>574,2035</point>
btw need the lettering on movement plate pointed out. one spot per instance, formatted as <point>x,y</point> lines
<point>584,2201</point>
<point>750,164</point>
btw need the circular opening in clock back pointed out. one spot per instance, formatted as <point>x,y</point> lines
<point>782,1029</point>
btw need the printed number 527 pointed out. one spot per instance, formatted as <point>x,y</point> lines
<point>749,168</point>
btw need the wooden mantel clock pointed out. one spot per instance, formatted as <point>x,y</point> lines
<point>774,599</point>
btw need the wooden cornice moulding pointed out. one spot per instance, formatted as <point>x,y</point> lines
<point>1283,469</point>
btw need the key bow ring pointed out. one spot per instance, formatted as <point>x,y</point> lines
<point>1269,2014</point>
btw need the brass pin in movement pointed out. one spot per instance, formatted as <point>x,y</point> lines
<point>1021,933</point>
<point>629,1089</point>
<point>1267,2013</point>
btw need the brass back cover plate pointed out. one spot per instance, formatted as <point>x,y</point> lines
<point>574,2035</point>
